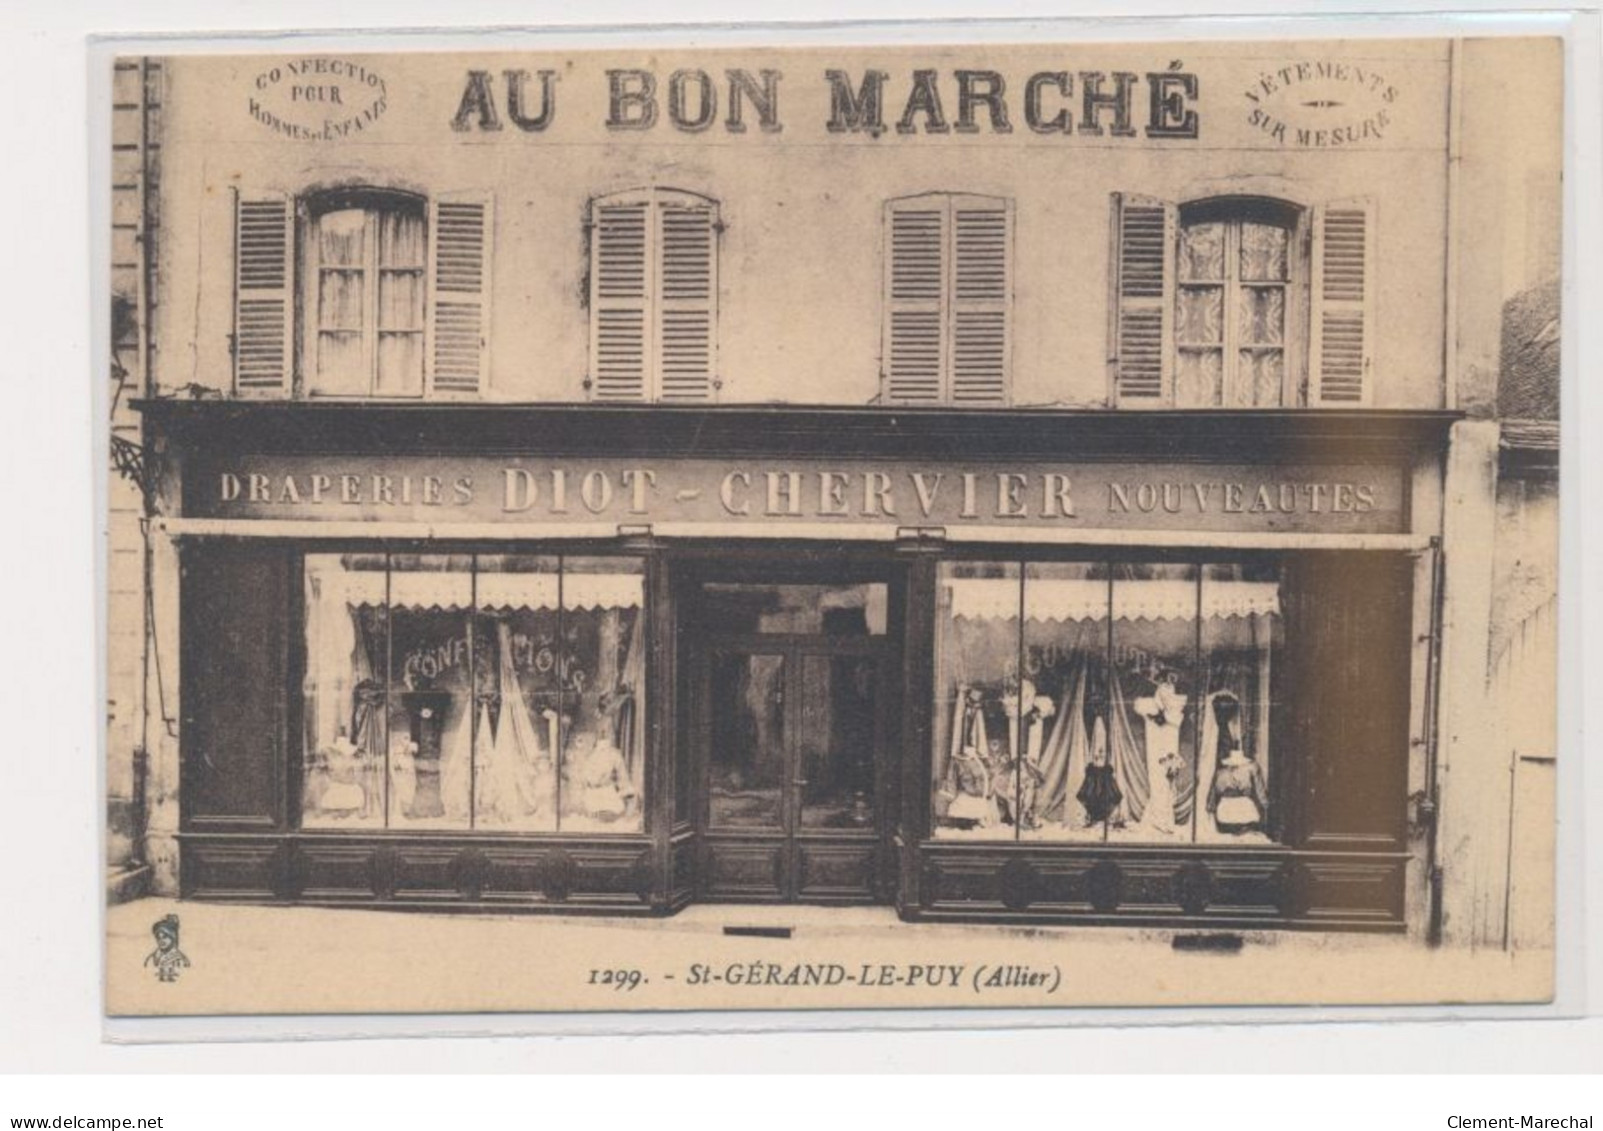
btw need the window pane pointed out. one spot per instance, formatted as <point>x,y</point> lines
<point>342,238</point>
<point>343,692</point>
<point>518,698</point>
<point>1198,378</point>
<point>431,707</point>
<point>400,363</point>
<point>400,300</point>
<point>341,299</point>
<point>1201,316</point>
<point>1151,686</point>
<point>746,774</point>
<point>341,365</point>
<point>603,685</point>
<point>1241,642</point>
<point>1264,252</point>
<point>1262,316</point>
<point>977,663</point>
<point>838,722</point>
<point>400,238</point>
<point>812,610</point>
<point>1258,379</point>
<point>1202,251</point>
<point>1066,785</point>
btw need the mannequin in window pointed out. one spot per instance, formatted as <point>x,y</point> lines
<point>594,774</point>
<point>969,785</point>
<point>342,796</point>
<point>1238,799</point>
<point>1163,710</point>
<point>1099,792</point>
<point>1019,773</point>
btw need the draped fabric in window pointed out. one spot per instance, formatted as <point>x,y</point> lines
<point>1093,701</point>
<point>499,693</point>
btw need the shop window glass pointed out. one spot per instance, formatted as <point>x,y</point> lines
<point>603,675</point>
<point>1152,675</point>
<point>454,692</point>
<point>1126,702</point>
<point>346,781</point>
<point>977,668</point>
<point>518,687</point>
<point>1242,638</point>
<point>1067,783</point>
<point>431,700</point>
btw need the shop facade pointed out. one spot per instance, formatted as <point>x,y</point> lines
<point>541,522</point>
<point>673,660</point>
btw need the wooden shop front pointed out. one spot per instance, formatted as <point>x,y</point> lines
<point>1045,666</point>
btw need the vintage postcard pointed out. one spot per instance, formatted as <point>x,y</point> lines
<point>896,526</point>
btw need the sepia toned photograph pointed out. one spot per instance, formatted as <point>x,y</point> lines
<point>685,527</point>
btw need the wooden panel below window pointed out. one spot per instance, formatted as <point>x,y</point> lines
<point>1347,890</point>
<point>742,870</point>
<point>421,872</point>
<point>837,872</point>
<point>1181,888</point>
<point>232,869</point>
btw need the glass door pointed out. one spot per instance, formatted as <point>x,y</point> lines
<point>793,733</point>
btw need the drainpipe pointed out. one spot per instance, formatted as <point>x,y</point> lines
<point>1429,804</point>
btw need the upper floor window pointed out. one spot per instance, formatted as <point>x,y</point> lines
<point>653,296</point>
<point>948,295</point>
<point>1241,302</point>
<point>392,294</point>
<point>364,295</point>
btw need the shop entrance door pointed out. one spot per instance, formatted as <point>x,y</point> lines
<point>792,733</point>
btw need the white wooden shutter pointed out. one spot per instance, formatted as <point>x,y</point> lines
<point>981,345</point>
<point>686,310</point>
<point>264,288</point>
<point>1342,307</point>
<point>620,267</point>
<point>1141,332</point>
<point>460,242</point>
<point>915,300</point>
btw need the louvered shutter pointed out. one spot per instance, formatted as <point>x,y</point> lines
<point>460,242</point>
<point>1341,318</point>
<point>687,283</point>
<point>264,285</point>
<point>1142,304</point>
<point>619,270</point>
<point>915,306</point>
<point>982,240</point>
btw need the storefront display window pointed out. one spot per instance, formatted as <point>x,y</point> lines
<point>1122,702</point>
<point>1067,758</point>
<point>1242,639</point>
<point>485,692</point>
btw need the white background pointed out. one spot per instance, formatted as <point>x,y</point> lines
<point>51,816</point>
